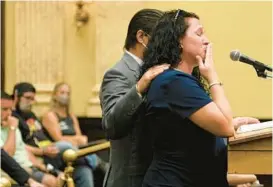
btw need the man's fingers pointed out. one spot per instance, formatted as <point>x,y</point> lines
<point>154,73</point>
<point>156,70</point>
<point>164,66</point>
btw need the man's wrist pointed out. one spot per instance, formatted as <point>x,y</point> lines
<point>137,90</point>
<point>13,128</point>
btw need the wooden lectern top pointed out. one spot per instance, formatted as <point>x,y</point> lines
<point>250,136</point>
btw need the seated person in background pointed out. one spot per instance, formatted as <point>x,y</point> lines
<point>11,142</point>
<point>31,129</point>
<point>62,124</point>
<point>38,142</point>
<point>16,172</point>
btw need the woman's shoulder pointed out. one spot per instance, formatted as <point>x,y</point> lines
<point>170,75</point>
<point>72,115</point>
<point>170,79</point>
<point>50,114</point>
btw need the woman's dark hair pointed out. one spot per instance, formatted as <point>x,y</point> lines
<point>145,20</point>
<point>164,45</point>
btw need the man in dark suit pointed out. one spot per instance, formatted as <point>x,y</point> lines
<point>121,102</point>
<point>16,172</point>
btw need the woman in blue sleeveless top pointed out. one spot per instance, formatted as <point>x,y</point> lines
<point>184,120</point>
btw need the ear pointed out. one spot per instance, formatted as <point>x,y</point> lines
<point>15,95</point>
<point>139,36</point>
<point>181,41</point>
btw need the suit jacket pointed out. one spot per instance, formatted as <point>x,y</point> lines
<point>13,169</point>
<point>122,120</point>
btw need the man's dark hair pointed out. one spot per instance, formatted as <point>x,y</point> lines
<point>5,95</point>
<point>144,20</point>
<point>22,87</point>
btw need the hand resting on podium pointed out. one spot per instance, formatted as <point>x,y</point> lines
<point>249,129</point>
<point>244,121</point>
<point>254,127</point>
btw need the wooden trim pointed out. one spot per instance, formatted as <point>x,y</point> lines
<point>2,45</point>
<point>250,136</point>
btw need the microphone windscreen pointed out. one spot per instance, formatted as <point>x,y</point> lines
<point>235,55</point>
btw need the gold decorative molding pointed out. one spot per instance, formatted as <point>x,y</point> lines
<point>43,98</point>
<point>43,93</point>
<point>93,107</point>
<point>81,16</point>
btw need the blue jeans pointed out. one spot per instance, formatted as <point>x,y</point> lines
<point>58,161</point>
<point>92,160</point>
<point>82,175</point>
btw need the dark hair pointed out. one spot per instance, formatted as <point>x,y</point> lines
<point>145,20</point>
<point>5,95</point>
<point>164,45</point>
<point>22,87</point>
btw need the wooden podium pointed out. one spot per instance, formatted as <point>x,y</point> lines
<point>251,153</point>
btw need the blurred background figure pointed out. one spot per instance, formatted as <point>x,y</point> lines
<point>16,172</point>
<point>62,124</point>
<point>38,142</point>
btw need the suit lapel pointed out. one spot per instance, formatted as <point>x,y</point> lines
<point>132,64</point>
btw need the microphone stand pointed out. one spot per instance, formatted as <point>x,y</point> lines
<point>261,72</point>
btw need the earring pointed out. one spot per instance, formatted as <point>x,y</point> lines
<point>144,45</point>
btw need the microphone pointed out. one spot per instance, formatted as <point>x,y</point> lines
<point>236,55</point>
